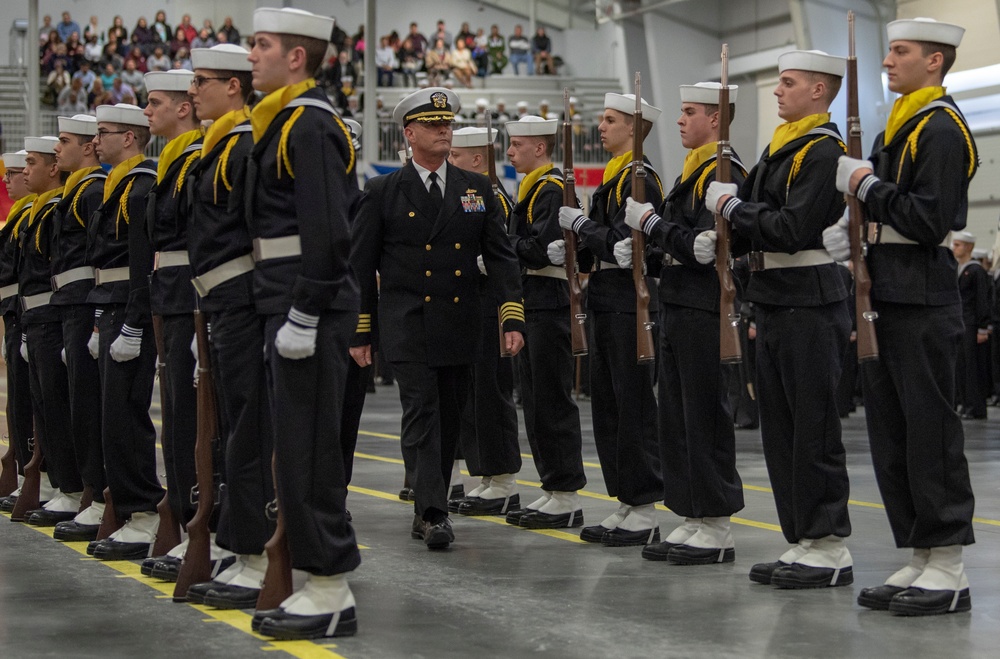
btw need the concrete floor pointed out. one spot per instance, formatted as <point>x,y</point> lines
<point>507,592</point>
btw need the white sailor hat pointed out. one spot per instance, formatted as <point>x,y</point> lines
<point>78,124</point>
<point>544,102</point>
<point>45,144</point>
<point>15,160</point>
<point>354,127</point>
<point>572,100</point>
<point>122,113</point>
<point>433,104</point>
<point>481,102</point>
<point>706,93</point>
<point>500,101</point>
<point>174,80</point>
<point>625,103</point>
<point>292,21</point>
<point>532,125</point>
<point>960,236</point>
<point>224,57</point>
<point>522,104</point>
<point>980,253</point>
<point>471,137</point>
<point>925,29</point>
<point>812,60</point>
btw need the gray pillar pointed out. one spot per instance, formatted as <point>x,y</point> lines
<point>370,134</point>
<point>33,64</point>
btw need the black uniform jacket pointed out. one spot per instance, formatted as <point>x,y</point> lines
<point>35,270</point>
<point>313,193</point>
<point>612,289</point>
<point>491,304</point>
<point>790,196</point>
<point>534,223</point>
<point>975,289</point>
<point>70,247</point>
<point>10,257</point>
<point>429,306</point>
<point>923,193</point>
<point>685,215</point>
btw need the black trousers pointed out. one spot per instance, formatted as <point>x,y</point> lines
<point>551,417</point>
<point>311,485</point>
<point>697,440</point>
<point>128,433</point>
<point>84,396</point>
<point>50,401</point>
<point>19,417</point>
<point>969,376</point>
<point>848,380</point>
<point>432,399</point>
<point>800,353</point>
<point>355,391</point>
<point>488,435</point>
<point>245,421</point>
<point>179,413</point>
<point>917,441</point>
<point>624,411</point>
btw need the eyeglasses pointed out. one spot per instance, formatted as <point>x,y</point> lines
<point>198,81</point>
<point>102,133</point>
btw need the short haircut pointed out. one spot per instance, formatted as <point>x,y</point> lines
<point>141,133</point>
<point>711,108</point>
<point>949,53</point>
<point>182,97</point>
<point>647,125</point>
<point>315,49</point>
<point>550,144</point>
<point>245,79</point>
<point>831,81</point>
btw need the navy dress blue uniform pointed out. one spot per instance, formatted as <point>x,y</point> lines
<point>974,288</point>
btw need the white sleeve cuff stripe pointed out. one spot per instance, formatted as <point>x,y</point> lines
<point>303,319</point>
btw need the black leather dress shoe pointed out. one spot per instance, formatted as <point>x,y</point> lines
<point>536,519</point>
<point>798,575</point>
<point>593,533</point>
<point>514,516</point>
<point>454,505</point>
<point>922,602</point>
<point>92,545</point>
<point>406,494</point>
<point>112,550</point>
<point>761,572</point>
<point>687,555</point>
<point>225,596</point>
<point>75,532</point>
<point>292,627</point>
<point>621,538</point>
<point>43,517</point>
<point>146,567</point>
<point>197,591</point>
<point>435,536</point>
<point>658,551</point>
<point>479,507</point>
<point>456,491</point>
<point>878,597</point>
<point>7,503</point>
<point>166,568</point>
<point>260,614</point>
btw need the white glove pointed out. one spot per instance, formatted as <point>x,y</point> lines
<point>24,346</point>
<point>93,344</point>
<point>704,246</point>
<point>837,239</point>
<point>128,344</point>
<point>556,252</point>
<point>62,355</point>
<point>571,219</point>
<point>481,263</point>
<point>634,212</point>
<point>717,191</point>
<point>194,347</point>
<point>297,337</point>
<point>623,252</point>
<point>846,166</point>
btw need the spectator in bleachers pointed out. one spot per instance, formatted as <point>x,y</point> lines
<point>136,56</point>
<point>207,25</point>
<point>93,49</point>
<point>136,80</point>
<point>49,51</point>
<point>520,51</point>
<point>461,63</point>
<point>121,92</point>
<point>143,36</point>
<point>496,45</point>
<point>158,61</point>
<point>74,52</point>
<point>385,62</point>
<point>98,95</point>
<point>67,27</point>
<point>441,33</point>
<point>179,41</point>
<point>437,61</point>
<point>409,62</point>
<point>85,75</point>
<point>118,34</point>
<point>541,48</point>
<point>359,47</point>
<point>92,29</point>
<point>189,30</point>
<point>480,54</point>
<point>43,31</point>
<point>58,79</point>
<point>162,28</point>
<point>203,40</point>
<point>466,35</point>
<point>183,60</point>
<point>108,75</point>
<point>73,99</point>
<point>337,36</point>
<point>418,41</point>
<point>111,57</point>
<point>228,29</point>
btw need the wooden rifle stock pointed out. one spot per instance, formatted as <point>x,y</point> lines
<point>168,534</point>
<point>867,343</point>
<point>729,335</point>
<point>8,466</point>
<point>28,499</point>
<point>491,171</point>
<point>645,346</point>
<point>197,565</point>
<point>109,520</point>
<point>577,316</point>
<point>277,586</point>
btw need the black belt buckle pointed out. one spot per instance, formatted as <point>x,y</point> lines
<point>756,261</point>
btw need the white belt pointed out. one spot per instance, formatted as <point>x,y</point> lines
<point>554,271</point>
<point>608,265</point>
<point>265,249</point>
<point>801,259</point>
<point>883,234</point>
<point>110,275</point>
<point>170,260</point>
<point>34,301</point>
<point>7,291</point>
<point>70,276</point>
<point>220,274</point>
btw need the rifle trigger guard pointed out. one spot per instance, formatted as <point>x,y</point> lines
<point>194,495</point>
<point>581,318</point>
<point>271,510</point>
<point>734,319</point>
<point>870,316</point>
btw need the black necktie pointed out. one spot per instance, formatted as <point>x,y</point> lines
<point>435,189</point>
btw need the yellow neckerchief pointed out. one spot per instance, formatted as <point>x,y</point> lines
<point>19,206</point>
<point>616,165</point>
<point>221,127</point>
<point>173,150</point>
<point>698,157</point>
<point>118,172</point>
<point>906,106</point>
<point>40,202</point>
<point>268,108</point>
<point>793,130</point>
<point>529,181</point>
<point>74,179</point>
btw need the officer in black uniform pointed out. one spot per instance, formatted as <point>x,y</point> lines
<point>697,440</point>
<point>72,281</point>
<point>975,291</point>
<point>622,401</point>
<point>123,341</point>
<point>802,320</point>
<point>488,435</point>
<point>915,190</point>
<point>546,366</point>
